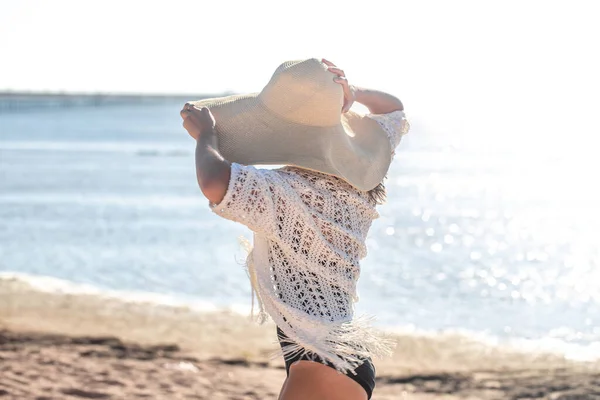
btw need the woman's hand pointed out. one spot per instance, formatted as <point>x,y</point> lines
<point>349,95</point>
<point>197,121</point>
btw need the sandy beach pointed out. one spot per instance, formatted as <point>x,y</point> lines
<point>68,346</point>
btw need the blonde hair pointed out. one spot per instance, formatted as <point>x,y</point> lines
<point>378,194</point>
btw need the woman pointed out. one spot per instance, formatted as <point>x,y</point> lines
<point>310,218</point>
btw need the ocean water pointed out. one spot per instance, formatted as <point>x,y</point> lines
<point>490,241</point>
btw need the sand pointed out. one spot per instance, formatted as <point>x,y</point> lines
<point>83,346</point>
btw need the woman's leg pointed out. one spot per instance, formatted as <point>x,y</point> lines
<point>282,389</point>
<point>315,381</point>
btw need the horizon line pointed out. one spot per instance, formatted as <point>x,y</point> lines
<point>53,93</point>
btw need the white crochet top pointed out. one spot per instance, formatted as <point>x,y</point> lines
<point>309,235</point>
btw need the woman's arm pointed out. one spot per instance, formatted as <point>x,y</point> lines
<point>376,101</point>
<point>212,170</point>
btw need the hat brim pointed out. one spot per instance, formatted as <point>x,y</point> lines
<point>356,150</point>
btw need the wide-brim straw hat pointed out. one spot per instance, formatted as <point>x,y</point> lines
<point>296,120</point>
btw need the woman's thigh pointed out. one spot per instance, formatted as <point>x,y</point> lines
<point>315,381</point>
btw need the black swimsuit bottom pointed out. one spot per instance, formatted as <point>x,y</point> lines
<point>364,374</point>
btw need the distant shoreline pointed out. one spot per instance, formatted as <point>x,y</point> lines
<point>22,101</point>
<point>51,94</point>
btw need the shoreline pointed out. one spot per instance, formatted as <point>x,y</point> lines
<point>73,340</point>
<point>140,302</point>
<point>73,308</point>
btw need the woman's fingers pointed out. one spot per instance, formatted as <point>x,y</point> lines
<point>342,81</point>
<point>200,113</point>
<point>185,111</point>
<point>348,95</point>
<point>336,71</point>
<point>329,63</point>
<point>203,117</point>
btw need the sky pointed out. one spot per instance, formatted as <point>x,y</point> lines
<point>525,69</point>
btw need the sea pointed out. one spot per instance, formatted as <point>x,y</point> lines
<point>492,242</point>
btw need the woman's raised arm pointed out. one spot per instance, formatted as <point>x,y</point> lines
<point>376,101</point>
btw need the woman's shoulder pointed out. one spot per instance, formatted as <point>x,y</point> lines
<point>324,185</point>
